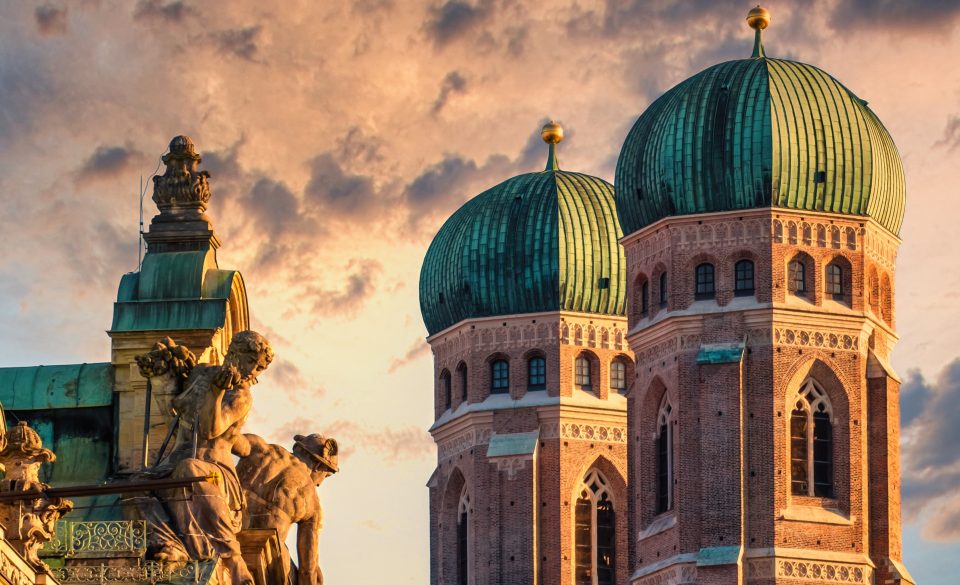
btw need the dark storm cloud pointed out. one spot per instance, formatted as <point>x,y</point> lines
<point>359,284</point>
<point>172,12</point>
<point>275,209</point>
<point>453,83</point>
<point>51,20</point>
<point>441,183</point>
<point>107,162</point>
<point>240,42</point>
<point>930,458</point>
<point>455,18</point>
<point>895,14</point>
<point>339,192</point>
<point>951,134</point>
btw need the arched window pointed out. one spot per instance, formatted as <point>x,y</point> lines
<point>796,278</point>
<point>835,281</point>
<point>645,298</point>
<point>663,288</point>
<point>664,445</point>
<point>705,282</point>
<point>462,371</point>
<point>499,377</point>
<point>811,443</point>
<point>463,538</point>
<point>618,376</point>
<point>537,373</point>
<point>582,373</point>
<point>594,533</point>
<point>743,281</point>
<point>447,390</point>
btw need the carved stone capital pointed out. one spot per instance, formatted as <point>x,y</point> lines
<point>182,189</point>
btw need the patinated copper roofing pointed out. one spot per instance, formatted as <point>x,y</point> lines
<point>537,242</point>
<point>759,132</point>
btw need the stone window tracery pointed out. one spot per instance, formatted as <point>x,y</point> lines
<point>664,448</point>
<point>499,377</point>
<point>594,532</point>
<point>811,442</point>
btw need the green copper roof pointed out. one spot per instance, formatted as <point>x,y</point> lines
<point>537,242</point>
<point>65,386</point>
<point>757,133</point>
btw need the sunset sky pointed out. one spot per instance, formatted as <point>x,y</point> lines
<point>340,135</point>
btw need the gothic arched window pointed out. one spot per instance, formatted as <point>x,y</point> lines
<point>445,387</point>
<point>618,376</point>
<point>499,377</point>
<point>811,442</point>
<point>663,288</point>
<point>664,445</point>
<point>463,538</point>
<point>462,371</point>
<point>645,298</point>
<point>743,278</point>
<point>796,278</point>
<point>706,286</point>
<point>835,281</point>
<point>537,373</point>
<point>594,533</point>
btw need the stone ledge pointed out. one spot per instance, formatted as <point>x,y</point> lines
<point>661,523</point>
<point>817,515</point>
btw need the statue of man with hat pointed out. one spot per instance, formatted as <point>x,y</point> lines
<point>280,488</point>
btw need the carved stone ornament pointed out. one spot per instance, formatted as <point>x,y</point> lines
<point>182,189</point>
<point>31,522</point>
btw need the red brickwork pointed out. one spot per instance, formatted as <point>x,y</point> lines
<point>733,511</point>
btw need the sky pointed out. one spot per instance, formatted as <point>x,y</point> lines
<point>340,135</point>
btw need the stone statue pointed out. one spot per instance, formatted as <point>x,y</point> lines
<point>280,491</point>
<point>29,522</point>
<point>202,522</point>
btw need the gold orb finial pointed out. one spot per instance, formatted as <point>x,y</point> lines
<point>552,133</point>
<point>758,18</point>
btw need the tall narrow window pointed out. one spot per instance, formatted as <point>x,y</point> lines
<point>743,282</point>
<point>582,373</point>
<point>445,387</point>
<point>811,443</point>
<point>618,376</point>
<point>462,371</point>
<point>835,281</point>
<point>796,278</point>
<point>705,282</point>
<point>499,377</point>
<point>537,373</point>
<point>645,298</point>
<point>594,533</point>
<point>663,288</point>
<point>463,539</point>
<point>664,448</point>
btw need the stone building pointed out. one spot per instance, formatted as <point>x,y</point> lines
<point>523,293</point>
<point>760,203</point>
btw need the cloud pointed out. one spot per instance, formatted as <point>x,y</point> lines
<point>418,349</point>
<point>456,18</point>
<point>108,162</point>
<point>339,192</point>
<point>173,12</point>
<point>395,444</point>
<point>240,42</point>
<point>358,286</point>
<point>895,14</point>
<point>453,83</point>
<point>930,459</point>
<point>951,134</point>
<point>51,20</point>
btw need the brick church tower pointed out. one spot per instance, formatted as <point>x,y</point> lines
<point>761,202</point>
<point>523,294</point>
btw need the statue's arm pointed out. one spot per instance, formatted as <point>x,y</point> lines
<point>307,549</point>
<point>224,411</point>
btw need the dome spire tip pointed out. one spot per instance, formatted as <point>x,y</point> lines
<point>758,19</point>
<point>552,134</point>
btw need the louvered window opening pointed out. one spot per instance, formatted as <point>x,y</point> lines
<point>594,533</point>
<point>811,443</point>
<point>664,450</point>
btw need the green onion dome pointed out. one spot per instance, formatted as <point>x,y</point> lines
<point>759,132</point>
<point>545,241</point>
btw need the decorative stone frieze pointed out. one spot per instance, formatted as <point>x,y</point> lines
<point>673,575</point>
<point>816,338</point>
<point>463,441</point>
<point>807,571</point>
<point>584,432</point>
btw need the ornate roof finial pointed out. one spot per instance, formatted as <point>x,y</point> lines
<point>182,188</point>
<point>552,134</point>
<point>758,19</point>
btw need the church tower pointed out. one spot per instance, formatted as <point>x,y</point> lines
<point>761,202</point>
<point>523,294</point>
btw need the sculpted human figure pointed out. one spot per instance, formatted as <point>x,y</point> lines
<point>280,491</point>
<point>202,521</point>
